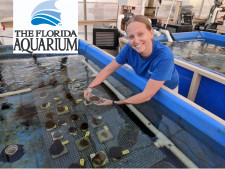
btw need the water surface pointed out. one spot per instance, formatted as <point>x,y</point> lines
<point>206,55</point>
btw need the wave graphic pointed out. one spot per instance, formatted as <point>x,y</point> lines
<point>46,13</point>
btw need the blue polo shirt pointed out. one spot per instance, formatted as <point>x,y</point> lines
<point>158,66</point>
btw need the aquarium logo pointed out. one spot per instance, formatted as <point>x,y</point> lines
<point>46,13</point>
<point>45,26</point>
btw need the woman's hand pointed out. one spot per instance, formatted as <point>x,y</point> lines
<point>104,102</point>
<point>87,93</point>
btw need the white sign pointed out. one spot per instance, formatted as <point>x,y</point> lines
<point>45,26</point>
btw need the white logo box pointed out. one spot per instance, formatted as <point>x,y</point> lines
<point>43,37</point>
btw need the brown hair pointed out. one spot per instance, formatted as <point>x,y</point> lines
<point>142,19</point>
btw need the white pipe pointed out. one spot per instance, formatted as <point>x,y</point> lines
<point>1,34</point>
<point>215,14</point>
<point>162,139</point>
<point>157,8</point>
<point>143,7</point>
<point>157,33</point>
<point>122,32</point>
<point>119,20</point>
<point>15,92</point>
<point>169,14</point>
<point>167,33</point>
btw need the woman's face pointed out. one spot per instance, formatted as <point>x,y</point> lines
<point>140,38</point>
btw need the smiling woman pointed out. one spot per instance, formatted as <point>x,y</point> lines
<point>139,38</point>
<point>148,58</point>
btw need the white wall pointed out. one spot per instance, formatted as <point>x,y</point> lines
<point>6,8</point>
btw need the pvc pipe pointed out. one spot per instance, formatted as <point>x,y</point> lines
<point>169,14</point>
<point>162,140</point>
<point>143,7</point>
<point>157,9</point>
<point>1,34</point>
<point>157,33</point>
<point>120,17</point>
<point>15,92</point>
<point>167,33</point>
<point>215,13</point>
<point>122,32</point>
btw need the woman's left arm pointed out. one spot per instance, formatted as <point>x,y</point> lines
<point>151,88</point>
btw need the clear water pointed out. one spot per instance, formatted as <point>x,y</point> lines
<point>23,121</point>
<point>29,129</point>
<point>207,55</point>
<point>25,128</point>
